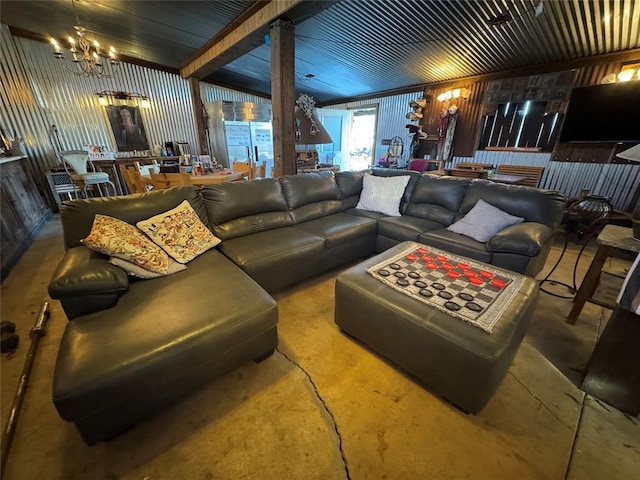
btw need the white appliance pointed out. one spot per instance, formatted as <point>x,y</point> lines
<point>240,131</point>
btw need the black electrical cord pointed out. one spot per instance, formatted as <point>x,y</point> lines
<point>572,288</point>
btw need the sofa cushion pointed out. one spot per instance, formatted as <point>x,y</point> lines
<point>437,198</point>
<point>260,203</point>
<point>180,233</point>
<point>339,228</point>
<point>405,227</point>
<point>311,195</point>
<point>483,221</point>
<point>113,237</point>
<point>272,248</point>
<point>382,194</point>
<point>366,213</point>
<point>350,185</point>
<point>456,243</point>
<point>532,204</point>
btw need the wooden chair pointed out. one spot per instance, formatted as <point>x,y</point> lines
<point>474,166</point>
<point>259,171</point>
<point>467,172</point>
<point>533,174</point>
<point>145,169</point>
<point>242,167</point>
<point>133,179</point>
<point>168,180</point>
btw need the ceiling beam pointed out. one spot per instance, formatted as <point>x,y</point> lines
<point>247,33</point>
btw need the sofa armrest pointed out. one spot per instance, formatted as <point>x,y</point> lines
<point>526,238</point>
<point>86,282</point>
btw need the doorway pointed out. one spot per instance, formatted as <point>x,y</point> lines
<point>362,135</point>
<point>353,132</point>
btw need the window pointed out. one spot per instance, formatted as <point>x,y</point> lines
<point>522,125</point>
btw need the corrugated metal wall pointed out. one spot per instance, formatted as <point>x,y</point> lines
<point>38,93</point>
<point>391,119</point>
<point>618,182</point>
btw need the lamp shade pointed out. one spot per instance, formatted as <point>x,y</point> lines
<point>309,131</point>
<point>633,154</point>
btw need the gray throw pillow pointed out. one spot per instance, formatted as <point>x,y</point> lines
<point>483,221</point>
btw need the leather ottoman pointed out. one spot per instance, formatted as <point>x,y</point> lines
<point>461,362</point>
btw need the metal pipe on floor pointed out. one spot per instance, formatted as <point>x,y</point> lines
<point>36,333</point>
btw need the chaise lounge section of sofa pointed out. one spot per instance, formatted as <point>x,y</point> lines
<point>133,347</point>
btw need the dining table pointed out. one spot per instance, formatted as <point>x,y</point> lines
<point>219,176</point>
<point>509,179</point>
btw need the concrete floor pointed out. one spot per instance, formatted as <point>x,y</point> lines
<point>325,407</point>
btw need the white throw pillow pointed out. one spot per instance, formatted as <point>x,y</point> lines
<point>483,221</point>
<point>382,194</point>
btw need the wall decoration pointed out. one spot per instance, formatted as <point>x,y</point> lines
<point>446,131</point>
<point>554,88</point>
<point>128,128</point>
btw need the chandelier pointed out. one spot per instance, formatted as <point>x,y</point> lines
<point>89,58</point>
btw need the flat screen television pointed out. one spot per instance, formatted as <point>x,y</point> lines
<point>603,113</point>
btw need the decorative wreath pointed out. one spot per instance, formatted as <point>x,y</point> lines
<point>307,104</point>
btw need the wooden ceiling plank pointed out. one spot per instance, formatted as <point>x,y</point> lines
<point>239,41</point>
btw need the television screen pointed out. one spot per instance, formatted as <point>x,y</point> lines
<point>603,113</point>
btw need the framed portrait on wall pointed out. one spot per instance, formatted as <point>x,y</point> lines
<point>128,128</point>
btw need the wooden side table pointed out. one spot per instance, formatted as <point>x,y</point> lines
<point>614,241</point>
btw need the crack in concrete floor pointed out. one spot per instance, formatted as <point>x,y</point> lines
<point>324,404</point>
<point>553,414</point>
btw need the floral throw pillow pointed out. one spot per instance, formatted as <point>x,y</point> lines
<point>180,233</point>
<point>119,239</point>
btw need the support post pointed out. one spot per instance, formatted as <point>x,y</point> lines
<point>283,97</point>
<point>199,116</point>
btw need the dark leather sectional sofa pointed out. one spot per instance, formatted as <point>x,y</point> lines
<point>132,347</point>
